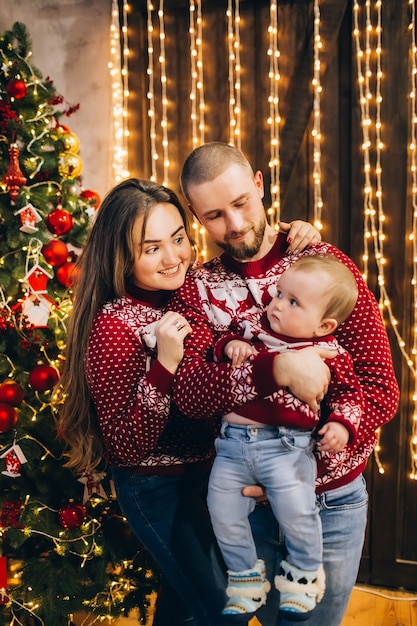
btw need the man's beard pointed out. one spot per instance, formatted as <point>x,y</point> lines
<point>245,251</point>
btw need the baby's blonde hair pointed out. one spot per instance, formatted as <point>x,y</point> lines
<point>342,289</point>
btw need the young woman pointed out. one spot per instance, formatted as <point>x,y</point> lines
<point>119,389</point>
<point>123,349</point>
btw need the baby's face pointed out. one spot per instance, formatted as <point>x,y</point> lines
<point>298,307</point>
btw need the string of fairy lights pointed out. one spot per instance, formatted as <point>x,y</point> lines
<point>372,232</point>
<point>316,132</point>
<point>274,118</point>
<point>197,73</point>
<point>233,43</point>
<point>151,93</point>
<point>163,99</point>
<point>197,104</point>
<point>369,78</point>
<point>412,361</point>
<point>118,67</point>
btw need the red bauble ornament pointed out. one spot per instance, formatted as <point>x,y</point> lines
<point>8,417</point>
<point>59,222</point>
<point>16,88</point>
<point>55,252</point>
<point>66,274</point>
<point>91,197</point>
<point>72,515</point>
<point>43,377</point>
<point>14,178</point>
<point>11,393</point>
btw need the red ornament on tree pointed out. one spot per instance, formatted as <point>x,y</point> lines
<point>14,178</point>
<point>72,515</point>
<point>11,393</point>
<point>59,222</point>
<point>14,458</point>
<point>43,377</point>
<point>91,197</point>
<point>55,252</point>
<point>16,88</point>
<point>10,514</point>
<point>66,274</point>
<point>8,417</point>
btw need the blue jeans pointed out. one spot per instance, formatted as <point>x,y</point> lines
<point>281,460</point>
<point>343,514</point>
<point>170,518</point>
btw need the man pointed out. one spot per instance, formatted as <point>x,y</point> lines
<point>226,196</point>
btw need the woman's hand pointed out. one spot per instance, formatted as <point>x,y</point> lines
<point>170,332</point>
<point>300,235</point>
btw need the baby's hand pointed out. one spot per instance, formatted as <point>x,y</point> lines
<point>334,437</point>
<point>238,351</point>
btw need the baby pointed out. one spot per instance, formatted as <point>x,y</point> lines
<point>270,441</point>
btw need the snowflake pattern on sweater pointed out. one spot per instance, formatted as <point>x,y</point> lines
<point>222,295</point>
<point>132,394</point>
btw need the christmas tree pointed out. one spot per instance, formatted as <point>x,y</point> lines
<point>64,545</point>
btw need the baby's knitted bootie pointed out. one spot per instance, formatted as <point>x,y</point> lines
<point>300,590</point>
<point>246,591</point>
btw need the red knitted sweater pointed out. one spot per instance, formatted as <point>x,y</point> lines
<point>132,393</point>
<point>223,295</point>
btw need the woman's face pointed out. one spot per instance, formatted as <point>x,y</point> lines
<point>163,257</point>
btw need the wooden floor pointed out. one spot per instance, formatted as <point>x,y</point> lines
<point>368,606</point>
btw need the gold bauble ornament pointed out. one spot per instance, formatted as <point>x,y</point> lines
<point>70,141</point>
<point>70,164</point>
